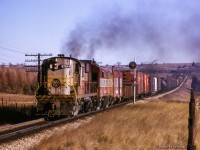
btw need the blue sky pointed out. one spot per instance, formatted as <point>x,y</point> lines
<point>109,31</point>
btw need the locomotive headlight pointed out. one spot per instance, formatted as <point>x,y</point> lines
<point>56,83</point>
<point>54,64</point>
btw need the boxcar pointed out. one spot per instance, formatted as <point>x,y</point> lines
<point>153,84</point>
<point>128,76</point>
<point>146,84</point>
<point>117,83</point>
<point>140,84</point>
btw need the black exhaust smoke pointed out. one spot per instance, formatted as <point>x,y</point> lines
<point>164,30</point>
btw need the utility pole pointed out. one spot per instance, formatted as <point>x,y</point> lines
<point>133,65</point>
<point>134,85</point>
<point>38,66</point>
<point>192,122</point>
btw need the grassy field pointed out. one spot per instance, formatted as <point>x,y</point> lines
<point>148,125</point>
<point>12,99</point>
<point>143,126</point>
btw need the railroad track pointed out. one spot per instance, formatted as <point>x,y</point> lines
<point>27,128</point>
<point>14,132</point>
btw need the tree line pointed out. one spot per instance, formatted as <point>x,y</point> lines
<point>15,80</point>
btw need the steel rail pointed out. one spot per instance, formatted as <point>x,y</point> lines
<point>13,134</point>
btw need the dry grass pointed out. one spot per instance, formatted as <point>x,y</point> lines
<point>12,99</point>
<point>140,127</point>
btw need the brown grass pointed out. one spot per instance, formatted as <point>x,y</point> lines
<point>142,126</point>
<point>12,99</point>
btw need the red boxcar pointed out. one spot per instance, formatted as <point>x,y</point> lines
<point>159,84</point>
<point>140,84</point>
<point>117,83</point>
<point>128,84</point>
<point>105,81</point>
<point>146,84</point>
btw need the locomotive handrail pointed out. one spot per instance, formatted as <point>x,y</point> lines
<point>75,92</point>
<point>40,87</point>
<point>91,83</point>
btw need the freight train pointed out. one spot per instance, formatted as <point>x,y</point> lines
<point>70,86</point>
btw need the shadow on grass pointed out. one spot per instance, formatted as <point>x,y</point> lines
<point>12,115</point>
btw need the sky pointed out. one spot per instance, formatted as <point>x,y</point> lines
<point>109,31</point>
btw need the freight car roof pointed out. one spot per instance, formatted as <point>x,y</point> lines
<point>106,68</point>
<point>118,68</point>
<point>90,61</point>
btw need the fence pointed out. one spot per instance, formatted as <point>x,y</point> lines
<point>9,104</point>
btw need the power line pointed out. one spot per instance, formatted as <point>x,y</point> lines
<point>12,50</point>
<point>6,43</point>
<point>3,55</point>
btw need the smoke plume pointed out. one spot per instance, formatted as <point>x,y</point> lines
<point>166,30</point>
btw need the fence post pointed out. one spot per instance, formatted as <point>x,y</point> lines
<point>192,121</point>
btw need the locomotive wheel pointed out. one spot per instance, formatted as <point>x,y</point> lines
<point>76,110</point>
<point>108,102</point>
<point>95,104</point>
<point>112,101</point>
<point>88,106</point>
<point>105,103</point>
<point>102,105</point>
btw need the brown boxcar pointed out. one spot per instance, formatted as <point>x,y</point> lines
<point>117,83</point>
<point>146,84</point>
<point>140,84</point>
<point>105,82</point>
<point>171,83</point>
<point>158,84</point>
<point>128,80</point>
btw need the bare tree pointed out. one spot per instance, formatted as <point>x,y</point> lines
<point>151,67</point>
<point>119,63</point>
